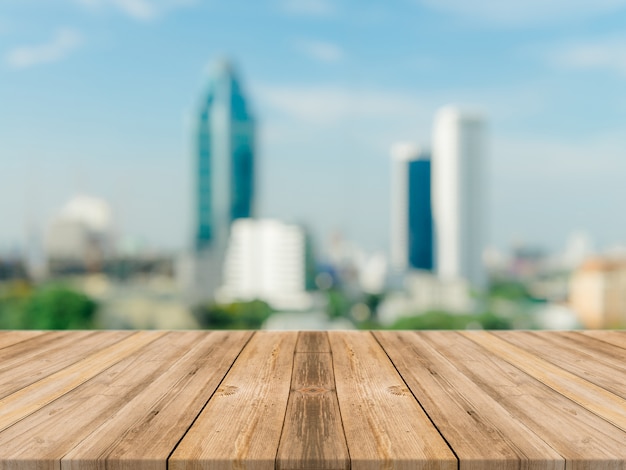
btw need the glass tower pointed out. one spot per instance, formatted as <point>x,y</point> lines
<point>412,222</point>
<point>420,223</point>
<point>225,159</point>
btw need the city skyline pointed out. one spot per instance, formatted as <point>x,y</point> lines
<point>333,86</point>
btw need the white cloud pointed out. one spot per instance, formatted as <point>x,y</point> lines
<point>139,9</point>
<point>321,50</point>
<point>605,53</point>
<point>308,7</point>
<point>512,13</point>
<point>61,45</point>
<point>328,104</point>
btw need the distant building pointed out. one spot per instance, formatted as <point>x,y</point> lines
<point>424,292</point>
<point>458,173</point>
<point>13,268</point>
<point>412,221</point>
<point>224,177</point>
<point>267,260</point>
<point>598,293</point>
<point>80,237</point>
<point>224,158</point>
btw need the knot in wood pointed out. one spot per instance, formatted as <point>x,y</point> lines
<point>398,390</point>
<point>312,390</point>
<point>226,390</point>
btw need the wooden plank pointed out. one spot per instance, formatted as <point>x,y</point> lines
<point>483,434</point>
<point>24,352</point>
<point>241,425</point>
<point>143,433</point>
<point>8,338</point>
<point>584,439</point>
<point>589,395</point>
<point>595,361</point>
<point>34,359</point>
<point>312,436</point>
<point>616,338</point>
<point>384,425</point>
<point>312,341</point>
<point>40,440</point>
<point>38,394</point>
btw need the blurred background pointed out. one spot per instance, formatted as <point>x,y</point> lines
<point>312,164</point>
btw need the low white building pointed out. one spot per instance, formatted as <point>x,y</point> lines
<point>424,292</point>
<point>266,259</point>
<point>81,234</point>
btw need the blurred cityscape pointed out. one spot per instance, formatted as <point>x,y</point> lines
<point>242,271</point>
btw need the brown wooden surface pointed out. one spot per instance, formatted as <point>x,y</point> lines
<point>121,400</point>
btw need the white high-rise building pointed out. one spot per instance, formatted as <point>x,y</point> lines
<point>458,193</point>
<point>266,259</point>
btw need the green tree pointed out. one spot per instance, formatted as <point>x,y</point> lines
<point>14,297</point>
<point>235,316</point>
<point>437,320</point>
<point>58,308</point>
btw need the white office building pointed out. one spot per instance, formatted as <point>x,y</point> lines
<point>266,259</point>
<point>458,193</point>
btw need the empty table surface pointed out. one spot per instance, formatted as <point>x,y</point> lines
<point>312,400</point>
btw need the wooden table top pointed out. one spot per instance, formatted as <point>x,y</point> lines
<point>312,400</point>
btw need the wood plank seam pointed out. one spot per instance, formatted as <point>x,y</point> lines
<point>343,428</point>
<point>28,337</point>
<point>192,422</point>
<point>458,460</point>
<point>56,355</point>
<point>10,419</point>
<point>573,352</point>
<point>314,388</point>
<point>128,446</point>
<point>600,335</point>
<point>600,409</point>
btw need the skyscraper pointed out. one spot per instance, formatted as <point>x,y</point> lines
<point>458,195</point>
<point>225,159</point>
<point>224,189</point>
<point>412,227</point>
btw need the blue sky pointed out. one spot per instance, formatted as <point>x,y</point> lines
<point>98,96</point>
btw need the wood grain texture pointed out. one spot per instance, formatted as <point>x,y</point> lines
<point>592,360</point>
<point>312,436</point>
<point>483,434</point>
<point>30,361</point>
<point>587,394</point>
<point>241,425</point>
<point>42,438</point>
<point>31,398</point>
<point>8,338</point>
<point>312,400</point>
<point>143,433</point>
<point>385,427</point>
<point>616,338</point>
<point>584,439</point>
<point>312,341</point>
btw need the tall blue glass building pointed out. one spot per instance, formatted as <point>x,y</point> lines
<point>412,219</point>
<point>225,159</point>
<point>420,223</point>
